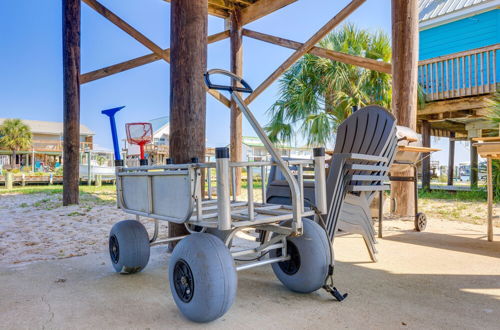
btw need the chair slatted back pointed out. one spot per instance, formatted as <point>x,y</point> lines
<point>369,131</point>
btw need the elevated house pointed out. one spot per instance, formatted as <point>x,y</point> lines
<point>458,70</point>
<point>47,145</point>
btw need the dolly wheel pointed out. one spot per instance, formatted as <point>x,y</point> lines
<point>420,221</point>
<point>129,246</point>
<point>310,257</point>
<point>202,277</point>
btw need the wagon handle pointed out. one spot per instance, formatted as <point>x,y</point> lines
<point>245,89</point>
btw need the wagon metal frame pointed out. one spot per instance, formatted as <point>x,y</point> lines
<point>174,193</point>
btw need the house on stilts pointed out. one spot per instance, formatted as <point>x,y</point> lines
<point>458,71</point>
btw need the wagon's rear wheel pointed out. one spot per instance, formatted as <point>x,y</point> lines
<point>129,246</point>
<point>420,221</point>
<point>310,256</point>
<point>202,277</point>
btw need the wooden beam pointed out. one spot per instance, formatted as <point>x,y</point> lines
<point>262,8</point>
<point>127,28</point>
<point>352,6</point>
<point>363,62</point>
<point>71,99</point>
<point>236,55</point>
<point>119,67</point>
<point>139,61</point>
<point>214,11</point>
<point>464,103</point>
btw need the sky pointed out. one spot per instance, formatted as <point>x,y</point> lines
<point>31,61</point>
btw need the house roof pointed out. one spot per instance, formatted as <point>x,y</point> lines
<point>49,127</point>
<point>159,123</point>
<point>433,9</point>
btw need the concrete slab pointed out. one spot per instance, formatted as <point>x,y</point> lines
<point>422,280</point>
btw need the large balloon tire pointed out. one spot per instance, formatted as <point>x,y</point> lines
<point>129,246</point>
<point>310,254</point>
<point>202,277</point>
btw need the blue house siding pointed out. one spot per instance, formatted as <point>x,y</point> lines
<point>468,33</point>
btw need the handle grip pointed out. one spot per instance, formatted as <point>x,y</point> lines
<point>245,89</point>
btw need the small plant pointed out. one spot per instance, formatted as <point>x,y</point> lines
<point>75,213</point>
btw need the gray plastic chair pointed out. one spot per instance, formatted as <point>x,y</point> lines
<point>364,151</point>
<point>369,132</point>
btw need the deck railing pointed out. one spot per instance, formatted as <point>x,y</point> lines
<point>55,145</point>
<point>468,73</point>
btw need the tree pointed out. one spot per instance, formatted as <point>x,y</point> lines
<point>15,135</point>
<point>317,94</point>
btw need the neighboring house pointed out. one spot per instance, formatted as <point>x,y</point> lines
<point>161,130</point>
<point>459,64</point>
<point>458,67</point>
<point>47,144</point>
<point>253,150</point>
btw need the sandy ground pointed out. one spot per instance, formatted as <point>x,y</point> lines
<point>445,278</point>
<point>36,227</point>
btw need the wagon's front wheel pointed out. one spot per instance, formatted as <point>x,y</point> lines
<point>129,246</point>
<point>202,277</point>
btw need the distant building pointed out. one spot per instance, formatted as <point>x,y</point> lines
<point>47,144</point>
<point>253,150</point>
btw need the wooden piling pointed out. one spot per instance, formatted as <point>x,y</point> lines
<point>404,91</point>
<point>188,60</point>
<point>71,99</point>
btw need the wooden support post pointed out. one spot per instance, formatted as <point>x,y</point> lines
<point>473,166</point>
<point>490,199</point>
<point>188,59</point>
<point>404,91</point>
<point>451,159</point>
<point>236,117</point>
<point>71,100</point>
<point>426,160</point>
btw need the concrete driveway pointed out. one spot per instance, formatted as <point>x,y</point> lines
<point>443,278</point>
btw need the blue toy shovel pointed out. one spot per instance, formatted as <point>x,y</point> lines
<point>111,114</point>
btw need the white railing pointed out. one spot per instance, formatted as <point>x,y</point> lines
<point>468,73</point>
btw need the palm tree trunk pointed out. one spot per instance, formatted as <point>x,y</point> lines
<point>13,161</point>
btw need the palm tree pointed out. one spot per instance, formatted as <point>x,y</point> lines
<point>15,135</point>
<point>317,94</point>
